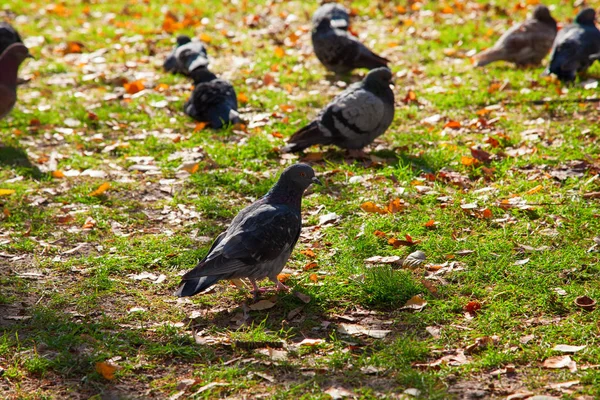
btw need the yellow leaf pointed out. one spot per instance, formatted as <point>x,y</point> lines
<point>205,38</point>
<point>101,189</point>
<point>534,190</point>
<point>242,98</point>
<point>58,174</point>
<point>371,207</point>
<point>107,369</point>
<point>6,192</point>
<point>467,161</point>
<point>279,52</point>
<point>395,206</point>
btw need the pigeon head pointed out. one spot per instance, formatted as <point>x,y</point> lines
<point>324,25</point>
<point>16,53</point>
<point>183,39</point>
<point>300,176</point>
<point>292,183</point>
<point>587,16</point>
<point>378,78</point>
<point>542,14</point>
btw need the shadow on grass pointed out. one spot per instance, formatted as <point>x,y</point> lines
<point>14,157</point>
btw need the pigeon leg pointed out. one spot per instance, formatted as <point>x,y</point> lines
<point>358,154</point>
<point>280,286</point>
<point>256,290</point>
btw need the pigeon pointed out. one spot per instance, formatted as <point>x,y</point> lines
<point>213,100</point>
<point>259,240</point>
<point>576,47</point>
<point>337,13</point>
<point>10,60</point>
<point>354,118</point>
<point>8,36</point>
<point>340,51</point>
<point>186,57</point>
<point>524,44</point>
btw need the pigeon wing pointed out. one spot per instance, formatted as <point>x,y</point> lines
<point>261,236</point>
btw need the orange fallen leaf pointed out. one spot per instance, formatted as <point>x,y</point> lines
<point>205,38</point>
<point>277,135</point>
<point>487,213</point>
<point>101,189</point>
<point>161,87</point>
<point>534,189</point>
<point>411,97</point>
<point>200,126</point>
<point>283,277</point>
<point>472,306</point>
<point>286,107</point>
<point>6,212</point>
<point>430,224</point>
<point>453,124</point>
<point>371,207</point>
<point>58,174</point>
<point>314,278</point>
<point>64,219</point>
<point>310,265</point>
<point>268,79</point>
<point>279,52</point>
<point>468,161</point>
<point>191,168</point>
<point>379,234</point>
<point>89,223</point>
<point>308,253</point>
<point>107,369</point>
<point>395,206</point>
<point>242,98</point>
<point>134,87</point>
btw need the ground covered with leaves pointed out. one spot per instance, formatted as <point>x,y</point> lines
<point>447,264</point>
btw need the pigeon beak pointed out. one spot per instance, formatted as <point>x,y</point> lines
<point>316,180</point>
<point>30,56</point>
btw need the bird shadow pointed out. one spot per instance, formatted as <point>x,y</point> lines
<point>16,158</point>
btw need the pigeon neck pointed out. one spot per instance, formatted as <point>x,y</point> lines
<point>285,193</point>
<point>9,68</point>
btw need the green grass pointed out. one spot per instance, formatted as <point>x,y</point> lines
<point>84,307</point>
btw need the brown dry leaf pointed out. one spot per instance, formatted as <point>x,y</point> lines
<point>6,192</point>
<point>89,223</point>
<point>64,219</point>
<point>397,242</point>
<point>472,306</point>
<point>486,213</point>
<point>416,303</point>
<point>379,234</point>
<point>268,79</point>
<point>314,156</point>
<point>481,155</point>
<point>382,260</point>
<point>304,297</point>
<point>101,189</point>
<point>134,87</point>
<point>261,305</point>
<point>559,362</point>
<point>107,369</point>
<point>395,206</point>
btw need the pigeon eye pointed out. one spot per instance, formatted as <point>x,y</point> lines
<point>302,174</point>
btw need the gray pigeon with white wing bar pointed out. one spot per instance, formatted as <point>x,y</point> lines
<point>337,13</point>
<point>340,51</point>
<point>576,47</point>
<point>354,118</point>
<point>259,240</point>
<point>187,56</point>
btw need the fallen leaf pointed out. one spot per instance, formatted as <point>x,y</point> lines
<point>89,223</point>
<point>6,192</point>
<point>58,174</point>
<point>382,260</point>
<point>565,348</point>
<point>338,392</point>
<point>134,87</point>
<point>311,342</point>
<point>107,369</point>
<point>262,305</point>
<point>472,306</point>
<point>416,303</point>
<point>304,297</point>
<point>414,259</point>
<point>310,265</point>
<point>371,207</point>
<point>101,189</point>
<point>559,362</point>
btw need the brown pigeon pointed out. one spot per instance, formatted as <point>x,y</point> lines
<point>523,44</point>
<point>10,61</point>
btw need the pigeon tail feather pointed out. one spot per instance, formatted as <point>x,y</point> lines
<point>309,135</point>
<point>489,56</point>
<point>193,286</point>
<point>371,60</point>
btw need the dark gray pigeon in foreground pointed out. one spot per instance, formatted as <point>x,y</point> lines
<point>354,118</point>
<point>340,51</point>
<point>10,60</point>
<point>213,100</point>
<point>524,44</point>
<point>337,14</point>
<point>576,47</point>
<point>259,240</point>
<point>186,57</point>
<point>8,36</point>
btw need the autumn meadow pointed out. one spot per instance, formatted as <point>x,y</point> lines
<point>457,258</point>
